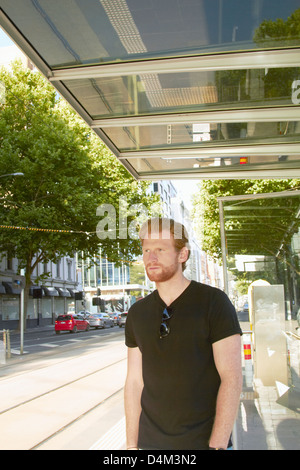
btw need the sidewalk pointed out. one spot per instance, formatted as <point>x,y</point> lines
<point>269,416</point>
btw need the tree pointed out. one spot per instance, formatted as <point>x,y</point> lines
<point>206,209</point>
<point>279,32</point>
<point>67,171</point>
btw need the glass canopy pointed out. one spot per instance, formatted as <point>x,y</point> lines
<point>175,89</point>
<point>261,224</point>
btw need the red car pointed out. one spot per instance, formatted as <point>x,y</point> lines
<point>71,322</point>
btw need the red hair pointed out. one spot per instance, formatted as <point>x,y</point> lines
<point>176,230</point>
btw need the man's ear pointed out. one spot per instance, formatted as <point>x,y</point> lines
<point>183,255</point>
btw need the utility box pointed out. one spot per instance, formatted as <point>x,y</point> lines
<point>267,318</point>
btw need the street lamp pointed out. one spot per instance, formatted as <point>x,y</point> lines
<point>12,174</point>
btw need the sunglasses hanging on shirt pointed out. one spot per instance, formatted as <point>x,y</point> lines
<point>164,329</point>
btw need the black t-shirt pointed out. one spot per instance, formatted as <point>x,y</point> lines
<point>180,378</point>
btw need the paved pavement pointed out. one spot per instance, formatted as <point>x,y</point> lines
<point>269,415</point>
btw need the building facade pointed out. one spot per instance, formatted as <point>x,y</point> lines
<point>56,294</point>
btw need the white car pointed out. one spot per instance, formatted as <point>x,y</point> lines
<point>100,320</point>
<point>122,319</point>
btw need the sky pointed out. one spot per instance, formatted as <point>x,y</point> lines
<point>186,187</point>
<point>5,40</point>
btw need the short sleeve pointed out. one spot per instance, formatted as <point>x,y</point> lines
<point>223,321</point>
<point>130,340</point>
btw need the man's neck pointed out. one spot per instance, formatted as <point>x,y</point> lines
<point>170,290</point>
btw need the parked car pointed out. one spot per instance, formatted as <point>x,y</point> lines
<point>70,322</point>
<point>114,316</point>
<point>246,308</point>
<point>100,320</point>
<point>84,314</point>
<point>122,319</point>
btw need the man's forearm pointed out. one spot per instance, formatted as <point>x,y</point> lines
<point>132,400</point>
<point>226,411</point>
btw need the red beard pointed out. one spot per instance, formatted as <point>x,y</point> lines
<point>160,273</point>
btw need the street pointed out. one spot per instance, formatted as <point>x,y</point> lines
<point>43,339</point>
<point>67,396</point>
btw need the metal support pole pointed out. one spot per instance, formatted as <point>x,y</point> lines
<point>4,346</point>
<point>225,278</point>
<point>8,355</point>
<point>223,246</point>
<point>22,316</point>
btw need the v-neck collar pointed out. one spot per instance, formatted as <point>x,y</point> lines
<point>177,300</point>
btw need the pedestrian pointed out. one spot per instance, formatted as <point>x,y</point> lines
<point>184,374</point>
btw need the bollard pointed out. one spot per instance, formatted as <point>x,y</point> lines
<point>4,339</point>
<point>2,353</point>
<point>5,351</point>
<point>248,361</point>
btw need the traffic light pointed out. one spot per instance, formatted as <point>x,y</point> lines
<point>79,295</point>
<point>37,293</point>
<point>18,282</point>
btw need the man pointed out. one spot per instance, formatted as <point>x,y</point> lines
<point>184,353</point>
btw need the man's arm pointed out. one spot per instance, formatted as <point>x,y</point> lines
<point>132,396</point>
<point>227,356</point>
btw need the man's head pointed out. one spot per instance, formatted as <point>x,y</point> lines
<point>165,247</point>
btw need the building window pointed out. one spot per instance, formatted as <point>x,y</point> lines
<point>9,263</point>
<point>45,268</point>
<point>58,268</point>
<point>110,270</point>
<point>92,276</point>
<point>69,265</point>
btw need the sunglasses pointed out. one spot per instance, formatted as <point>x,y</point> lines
<point>164,329</point>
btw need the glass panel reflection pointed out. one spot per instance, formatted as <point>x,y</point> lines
<point>146,166</point>
<point>76,32</point>
<point>186,92</point>
<point>194,135</point>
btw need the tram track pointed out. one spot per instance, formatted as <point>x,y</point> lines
<point>48,410</point>
<point>64,428</point>
<point>59,387</point>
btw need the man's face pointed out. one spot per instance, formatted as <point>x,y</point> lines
<point>160,257</point>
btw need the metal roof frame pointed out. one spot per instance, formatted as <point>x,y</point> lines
<point>287,113</point>
<point>250,59</point>
<point>199,63</point>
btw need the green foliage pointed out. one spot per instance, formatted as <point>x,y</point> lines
<point>206,210</point>
<point>68,173</point>
<point>270,33</point>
